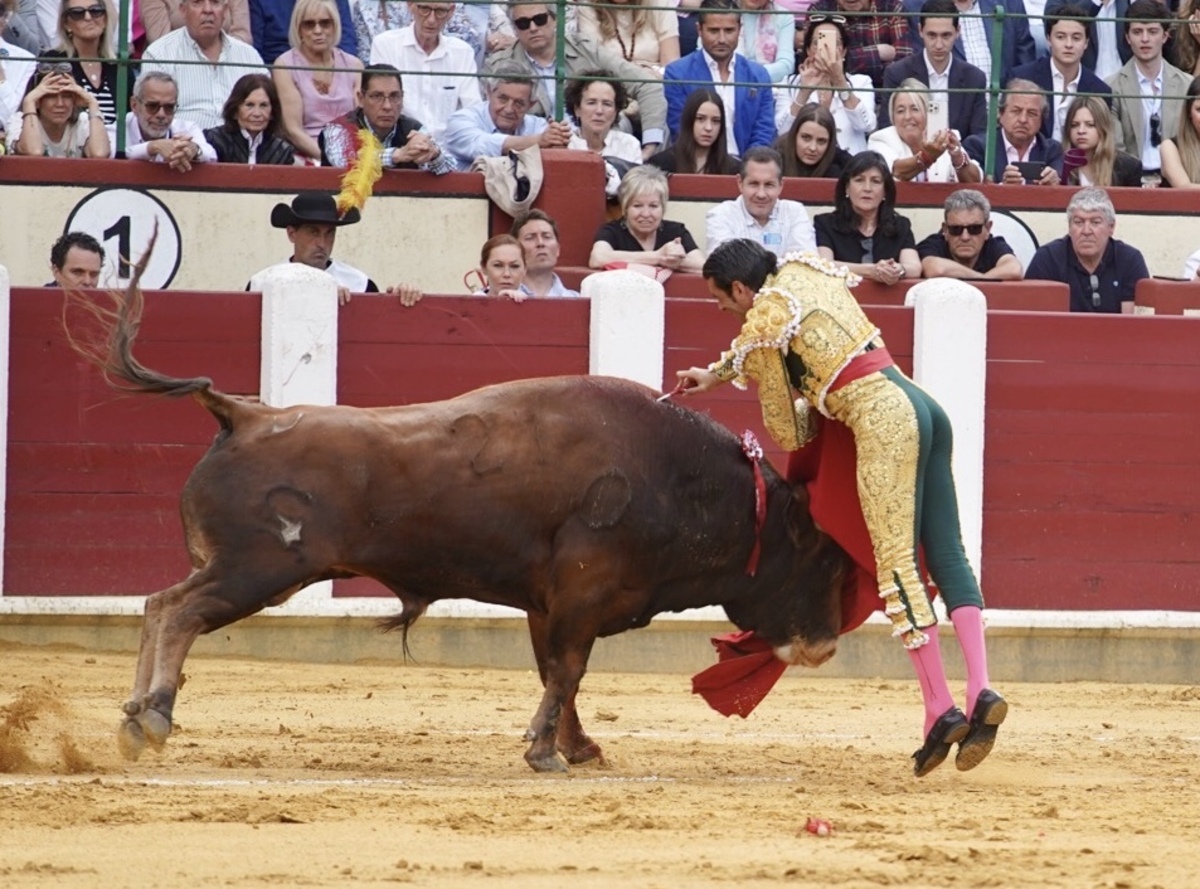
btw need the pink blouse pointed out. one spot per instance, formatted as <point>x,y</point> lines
<point>320,108</point>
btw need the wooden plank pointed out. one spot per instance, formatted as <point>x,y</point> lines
<point>464,321</point>
<point>1082,585</point>
<point>94,468</point>
<point>1050,487</point>
<point>1106,535</point>
<point>44,570</point>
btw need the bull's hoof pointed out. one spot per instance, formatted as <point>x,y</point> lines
<point>587,753</point>
<point>131,740</point>
<point>545,763</point>
<point>156,727</point>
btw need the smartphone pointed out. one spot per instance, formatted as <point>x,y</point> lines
<point>1031,171</point>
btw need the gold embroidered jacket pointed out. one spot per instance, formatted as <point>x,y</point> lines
<point>806,309</point>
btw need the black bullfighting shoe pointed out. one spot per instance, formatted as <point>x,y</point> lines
<point>990,710</point>
<point>950,728</point>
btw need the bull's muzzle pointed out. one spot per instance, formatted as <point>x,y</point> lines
<point>805,652</point>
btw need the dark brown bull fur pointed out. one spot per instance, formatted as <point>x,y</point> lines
<point>579,500</point>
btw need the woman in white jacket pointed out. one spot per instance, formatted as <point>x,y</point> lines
<point>915,155</point>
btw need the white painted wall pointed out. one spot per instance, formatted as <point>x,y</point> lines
<point>627,327</point>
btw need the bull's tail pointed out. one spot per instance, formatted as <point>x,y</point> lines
<point>402,622</point>
<point>108,343</point>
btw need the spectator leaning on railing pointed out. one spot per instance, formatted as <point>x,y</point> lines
<point>537,48</point>
<point>502,124</point>
<point>316,80</point>
<point>404,140</point>
<point>965,246</point>
<point>151,131</point>
<point>1101,271</point>
<point>250,130</point>
<point>743,85</point>
<point>57,118</point>
<point>914,149</point>
<point>204,60</point>
<point>642,237</point>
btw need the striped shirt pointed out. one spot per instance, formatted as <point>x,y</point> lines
<point>203,86</point>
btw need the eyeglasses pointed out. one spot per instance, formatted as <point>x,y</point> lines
<point>313,24</point>
<point>1094,283</point>
<point>820,19</point>
<point>438,12</point>
<point>380,98</point>
<point>525,22</point>
<point>956,231</point>
<point>79,13</point>
<point>156,107</point>
<point>54,68</point>
<point>1155,129</point>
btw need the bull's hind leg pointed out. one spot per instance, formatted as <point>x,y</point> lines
<point>572,742</point>
<point>206,601</point>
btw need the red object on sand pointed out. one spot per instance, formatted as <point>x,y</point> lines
<point>819,827</point>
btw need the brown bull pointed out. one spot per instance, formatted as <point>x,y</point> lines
<point>580,500</point>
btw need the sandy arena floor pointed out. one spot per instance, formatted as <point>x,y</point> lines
<point>284,774</point>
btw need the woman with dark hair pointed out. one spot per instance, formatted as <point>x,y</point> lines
<point>810,148</point>
<point>822,80</point>
<point>250,133</point>
<point>864,232</point>
<point>701,146</point>
<point>501,269</point>
<point>85,32</point>
<point>594,102</point>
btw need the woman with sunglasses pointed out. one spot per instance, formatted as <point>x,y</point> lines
<point>1181,155</point>
<point>85,40</point>
<point>58,118</point>
<point>810,148</point>
<point>315,79</point>
<point>251,131</point>
<point>701,145</point>
<point>864,232</point>
<point>1091,156</point>
<point>822,80</point>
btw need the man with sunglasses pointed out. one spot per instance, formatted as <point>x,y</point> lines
<point>1101,271</point>
<point>204,60</point>
<point>1148,89</point>
<point>446,80</point>
<point>966,247</point>
<point>153,134</point>
<point>536,48</point>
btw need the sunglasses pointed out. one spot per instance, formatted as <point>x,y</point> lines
<point>1155,129</point>
<point>525,22</point>
<point>156,107</point>
<point>820,19</point>
<point>1094,283</point>
<point>54,68</point>
<point>313,24</point>
<point>955,231</point>
<point>79,13</point>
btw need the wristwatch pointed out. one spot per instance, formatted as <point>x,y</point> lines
<point>844,94</point>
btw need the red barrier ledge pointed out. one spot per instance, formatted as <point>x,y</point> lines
<point>1167,297</point>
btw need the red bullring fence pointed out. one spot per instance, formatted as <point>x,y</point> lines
<point>1075,449</point>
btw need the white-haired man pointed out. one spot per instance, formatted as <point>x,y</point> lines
<point>151,131</point>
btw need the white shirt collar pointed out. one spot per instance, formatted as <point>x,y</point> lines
<point>929,66</point>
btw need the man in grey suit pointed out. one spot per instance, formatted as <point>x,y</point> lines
<point>534,25</point>
<point>1148,90</point>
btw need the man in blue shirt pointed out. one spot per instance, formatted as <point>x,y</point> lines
<point>1101,271</point>
<point>501,124</point>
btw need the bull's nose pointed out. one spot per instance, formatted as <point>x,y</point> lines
<point>807,653</point>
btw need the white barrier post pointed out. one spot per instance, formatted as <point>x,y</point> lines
<point>950,361</point>
<point>299,355</point>
<point>627,326</point>
<point>5,304</point>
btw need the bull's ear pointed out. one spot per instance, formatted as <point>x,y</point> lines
<point>801,527</point>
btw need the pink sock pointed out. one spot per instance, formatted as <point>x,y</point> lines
<point>968,626</point>
<point>927,662</point>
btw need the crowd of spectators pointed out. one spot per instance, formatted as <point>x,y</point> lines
<point>860,92</point>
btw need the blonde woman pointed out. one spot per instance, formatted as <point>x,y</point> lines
<point>1091,156</point>
<point>85,30</point>
<point>1181,156</point>
<point>641,236</point>
<point>316,80</point>
<point>646,37</point>
<point>911,153</point>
